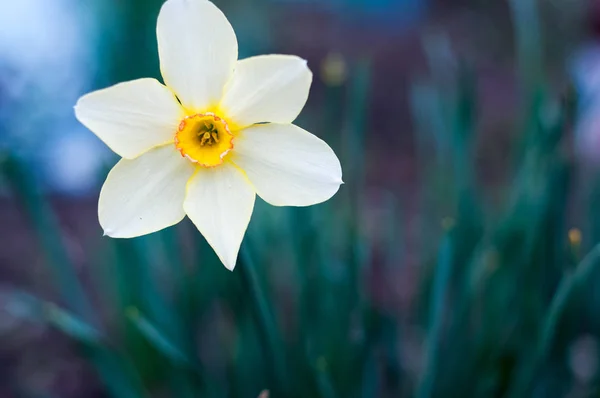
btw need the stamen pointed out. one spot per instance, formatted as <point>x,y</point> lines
<point>204,139</point>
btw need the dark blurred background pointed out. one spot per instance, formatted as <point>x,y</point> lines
<point>458,260</point>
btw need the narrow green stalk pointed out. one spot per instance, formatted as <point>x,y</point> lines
<point>438,300</point>
<point>264,319</point>
<point>557,308</point>
<point>46,227</point>
<point>354,171</point>
<point>529,44</point>
<point>159,340</point>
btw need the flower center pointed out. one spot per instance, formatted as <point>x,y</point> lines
<point>204,138</point>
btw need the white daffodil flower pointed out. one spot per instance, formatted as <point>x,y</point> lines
<point>205,143</point>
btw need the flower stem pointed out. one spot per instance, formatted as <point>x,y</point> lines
<point>267,329</point>
<point>438,300</point>
<point>560,300</point>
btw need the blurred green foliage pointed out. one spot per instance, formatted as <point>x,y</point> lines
<point>498,298</point>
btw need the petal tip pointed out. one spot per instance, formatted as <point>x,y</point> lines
<point>229,261</point>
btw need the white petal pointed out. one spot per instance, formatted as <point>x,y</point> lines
<point>287,165</point>
<point>267,88</point>
<point>197,49</point>
<point>145,194</point>
<point>219,202</point>
<point>131,117</point>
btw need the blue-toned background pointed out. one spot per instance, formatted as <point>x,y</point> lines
<point>458,259</point>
